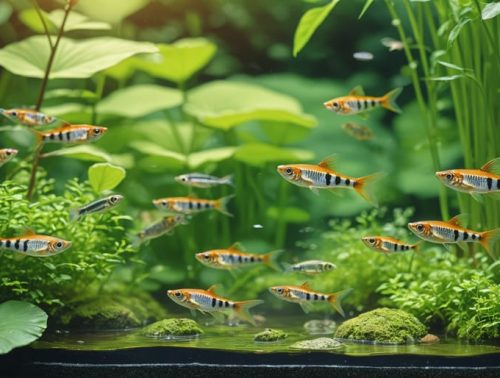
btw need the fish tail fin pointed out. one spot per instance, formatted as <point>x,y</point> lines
<point>137,239</point>
<point>389,100</point>
<point>335,299</point>
<point>74,214</point>
<point>38,136</point>
<point>229,180</point>
<point>270,259</point>
<point>241,309</point>
<point>417,246</point>
<point>221,205</point>
<point>488,238</point>
<point>360,186</point>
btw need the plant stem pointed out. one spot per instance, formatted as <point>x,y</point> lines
<point>45,27</point>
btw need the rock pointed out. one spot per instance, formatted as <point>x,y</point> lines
<point>429,339</point>
<point>320,327</point>
<point>270,335</point>
<point>383,325</point>
<point>321,343</point>
<point>172,327</point>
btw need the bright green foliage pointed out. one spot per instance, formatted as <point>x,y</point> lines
<point>98,244</point>
<point>310,21</point>
<point>490,10</point>
<point>172,327</point>
<point>270,335</point>
<point>384,325</point>
<point>105,176</point>
<point>74,59</point>
<point>112,11</point>
<point>54,19</point>
<point>21,324</point>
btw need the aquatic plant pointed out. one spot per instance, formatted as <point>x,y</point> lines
<point>172,327</point>
<point>270,335</point>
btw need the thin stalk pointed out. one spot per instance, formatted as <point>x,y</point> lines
<point>101,81</point>
<point>279,240</point>
<point>45,27</point>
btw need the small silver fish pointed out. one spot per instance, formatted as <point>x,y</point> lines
<point>201,180</point>
<point>311,267</point>
<point>32,244</point>
<point>97,206</point>
<point>28,117</point>
<point>165,226</point>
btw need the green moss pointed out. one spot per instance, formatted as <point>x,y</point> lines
<point>172,327</point>
<point>383,325</point>
<point>322,343</point>
<point>269,335</point>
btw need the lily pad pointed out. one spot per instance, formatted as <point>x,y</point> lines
<point>105,176</point>
<point>140,100</point>
<point>74,59</point>
<point>259,154</point>
<point>21,324</point>
<point>226,104</point>
<point>180,60</point>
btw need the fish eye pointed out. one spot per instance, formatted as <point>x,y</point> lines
<point>420,227</point>
<point>164,203</point>
<point>114,199</point>
<point>183,179</point>
<point>289,171</point>
<point>14,114</point>
<point>206,257</point>
<point>8,152</point>
<point>371,241</point>
<point>178,294</point>
<point>449,176</point>
<point>279,290</point>
<point>97,131</point>
<point>335,104</point>
<point>59,244</point>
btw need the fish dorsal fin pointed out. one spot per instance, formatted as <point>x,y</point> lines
<point>357,91</point>
<point>28,232</point>
<point>458,220</point>
<point>493,166</point>
<point>214,287</point>
<point>328,162</point>
<point>306,286</point>
<point>236,246</point>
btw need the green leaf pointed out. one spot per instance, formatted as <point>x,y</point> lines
<point>213,155</point>
<point>490,10</point>
<point>258,154</point>
<point>150,148</point>
<point>74,59</point>
<point>178,61</point>
<point>112,11</point>
<point>91,153</point>
<point>456,31</point>
<point>226,104</point>
<point>5,12</point>
<point>53,20</point>
<point>105,176</point>
<point>308,24</point>
<point>140,100</point>
<point>289,214</point>
<point>367,5</point>
<point>21,323</point>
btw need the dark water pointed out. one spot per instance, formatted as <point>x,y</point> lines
<point>240,338</point>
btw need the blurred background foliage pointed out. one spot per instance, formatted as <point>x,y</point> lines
<point>223,95</point>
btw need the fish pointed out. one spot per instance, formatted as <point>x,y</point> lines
<point>201,180</point>
<point>96,206</point>
<point>28,117</point>
<point>357,103</point>
<point>7,154</point>
<point>165,226</point>
<point>311,267</point>
<point>32,244</point>
<point>451,232</point>
<point>322,176</point>
<point>305,296</point>
<point>392,44</point>
<point>71,134</point>
<point>357,131</point>
<point>386,244</point>
<point>363,56</point>
<point>232,258</point>
<point>485,180</point>
<point>207,301</point>
<point>191,205</point>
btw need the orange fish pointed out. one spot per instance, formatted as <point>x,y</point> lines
<point>484,180</point>
<point>7,154</point>
<point>207,301</point>
<point>71,134</point>
<point>386,244</point>
<point>305,296</point>
<point>357,103</point>
<point>191,205</point>
<point>322,176</point>
<point>28,117</point>
<point>35,245</point>
<point>451,232</point>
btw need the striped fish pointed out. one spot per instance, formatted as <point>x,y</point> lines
<point>7,154</point>
<point>71,134</point>
<point>322,176</point>
<point>386,244</point>
<point>451,232</point>
<point>485,180</point>
<point>97,206</point>
<point>232,258</point>
<point>311,267</point>
<point>32,244</point>
<point>165,226</point>
<point>208,301</point>
<point>357,131</point>
<point>200,180</point>
<point>357,103</point>
<point>305,296</point>
<point>28,117</point>
<point>192,205</point>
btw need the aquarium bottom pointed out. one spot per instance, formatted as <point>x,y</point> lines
<point>195,362</point>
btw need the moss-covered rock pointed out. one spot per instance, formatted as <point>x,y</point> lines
<point>270,335</point>
<point>320,327</point>
<point>321,343</point>
<point>383,325</point>
<point>113,312</point>
<point>172,327</point>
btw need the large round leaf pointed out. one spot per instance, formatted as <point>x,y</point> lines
<point>53,20</point>
<point>112,11</point>
<point>21,323</point>
<point>105,176</point>
<point>178,61</point>
<point>74,59</point>
<point>140,100</point>
<point>258,154</point>
<point>226,104</point>
<point>213,155</point>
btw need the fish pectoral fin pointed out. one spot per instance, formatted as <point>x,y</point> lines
<point>314,190</point>
<point>306,306</point>
<point>447,246</point>
<point>478,197</point>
